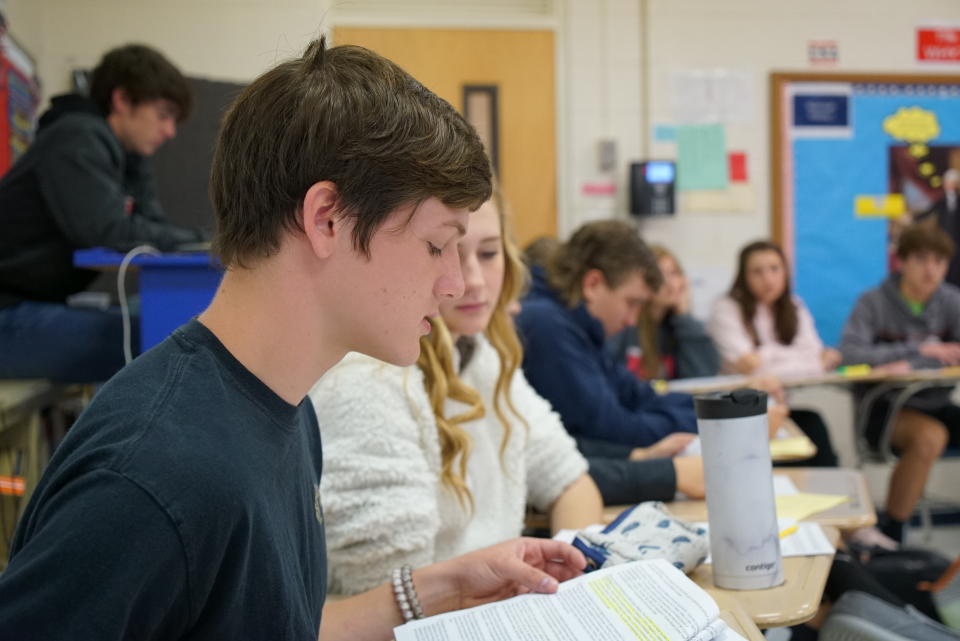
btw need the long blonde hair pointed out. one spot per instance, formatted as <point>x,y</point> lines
<point>648,325</point>
<point>442,381</point>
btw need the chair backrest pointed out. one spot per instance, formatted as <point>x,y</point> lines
<point>857,616</point>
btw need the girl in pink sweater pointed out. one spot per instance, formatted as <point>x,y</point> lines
<point>760,328</point>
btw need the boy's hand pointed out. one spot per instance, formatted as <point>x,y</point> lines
<point>498,572</point>
<point>747,364</point>
<point>946,353</point>
<point>667,447</point>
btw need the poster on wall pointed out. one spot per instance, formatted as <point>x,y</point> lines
<point>869,155</point>
<point>938,45</point>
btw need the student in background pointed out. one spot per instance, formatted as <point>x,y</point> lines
<point>668,341</point>
<point>593,289</point>
<point>84,182</point>
<point>626,473</point>
<point>185,502</point>
<point>539,251</point>
<point>760,328</point>
<point>911,321</point>
<point>426,462</point>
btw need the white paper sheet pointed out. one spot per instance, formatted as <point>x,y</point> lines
<point>808,540</point>
<point>782,484</point>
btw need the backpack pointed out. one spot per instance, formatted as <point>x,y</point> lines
<point>900,571</point>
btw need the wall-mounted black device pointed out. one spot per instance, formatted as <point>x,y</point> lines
<point>652,185</point>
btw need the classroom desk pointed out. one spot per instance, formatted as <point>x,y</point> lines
<point>799,597</point>
<point>793,602</point>
<point>727,383</point>
<point>173,287</point>
<point>856,513</point>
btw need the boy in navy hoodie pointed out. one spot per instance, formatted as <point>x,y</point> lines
<point>596,284</point>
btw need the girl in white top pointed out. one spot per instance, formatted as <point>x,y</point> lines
<point>761,329</point>
<point>426,462</point>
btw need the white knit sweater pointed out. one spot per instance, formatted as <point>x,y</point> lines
<point>383,502</point>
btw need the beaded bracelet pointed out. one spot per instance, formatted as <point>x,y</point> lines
<point>401,596</point>
<point>406,594</point>
<point>407,574</point>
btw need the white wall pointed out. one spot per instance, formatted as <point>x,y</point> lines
<point>605,73</point>
<point>230,40</point>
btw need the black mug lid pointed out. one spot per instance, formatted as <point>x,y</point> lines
<point>741,403</point>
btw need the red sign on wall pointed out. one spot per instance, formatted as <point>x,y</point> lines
<point>823,52</point>
<point>938,44</point>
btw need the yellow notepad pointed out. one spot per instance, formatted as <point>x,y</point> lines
<point>802,505</point>
<point>799,447</point>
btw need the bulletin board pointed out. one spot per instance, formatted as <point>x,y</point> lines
<point>854,158</point>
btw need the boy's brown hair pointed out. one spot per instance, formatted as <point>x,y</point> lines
<point>612,246</point>
<point>923,237</point>
<point>349,116</point>
<point>145,74</point>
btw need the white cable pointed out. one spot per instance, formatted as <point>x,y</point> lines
<point>122,294</point>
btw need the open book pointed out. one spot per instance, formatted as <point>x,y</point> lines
<point>640,601</point>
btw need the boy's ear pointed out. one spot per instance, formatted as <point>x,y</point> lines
<point>592,280</point>
<point>120,101</point>
<point>318,217</point>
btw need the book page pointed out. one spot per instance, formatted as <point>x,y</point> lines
<point>641,601</point>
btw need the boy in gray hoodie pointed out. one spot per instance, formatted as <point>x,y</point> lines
<point>911,321</point>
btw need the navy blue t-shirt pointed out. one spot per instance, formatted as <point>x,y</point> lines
<point>183,504</point>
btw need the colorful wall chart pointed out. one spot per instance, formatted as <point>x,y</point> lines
<point>855,158</point>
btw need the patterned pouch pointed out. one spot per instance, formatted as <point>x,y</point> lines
<point>645,531</point>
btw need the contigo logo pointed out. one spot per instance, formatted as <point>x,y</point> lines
<point>762,567</point>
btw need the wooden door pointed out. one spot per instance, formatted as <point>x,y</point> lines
<point>520,64</point>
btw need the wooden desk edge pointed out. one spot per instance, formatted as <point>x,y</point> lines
<point>737,618</point>
<point>945,374</point>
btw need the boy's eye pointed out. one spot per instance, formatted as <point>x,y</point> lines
<point>433,249</point>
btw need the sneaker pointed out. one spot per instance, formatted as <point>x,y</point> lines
<point>872,537</point>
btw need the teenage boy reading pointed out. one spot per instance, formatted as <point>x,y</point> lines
<point>911,321</point>
<point>185,502</point>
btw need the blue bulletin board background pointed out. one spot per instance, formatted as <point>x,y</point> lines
<point>837,252</point>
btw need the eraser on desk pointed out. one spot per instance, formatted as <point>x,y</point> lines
<point>854,370</point>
